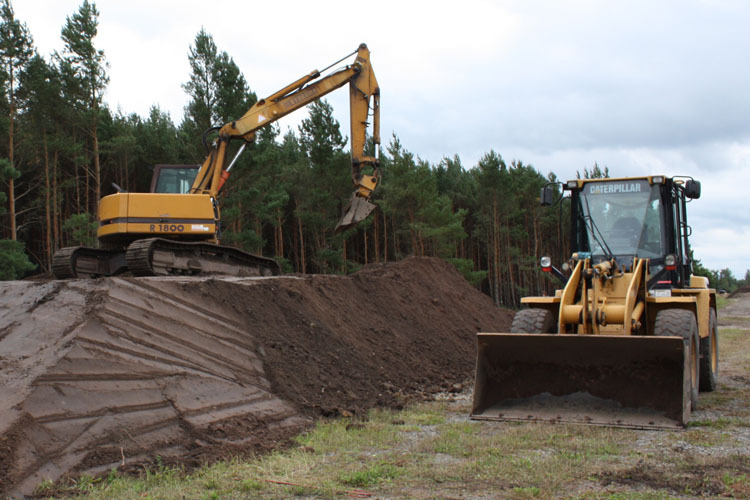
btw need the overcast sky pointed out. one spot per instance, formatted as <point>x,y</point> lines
<point>642,87</point>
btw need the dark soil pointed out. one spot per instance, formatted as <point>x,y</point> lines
<point>111,373</point>
<point>699,476</point>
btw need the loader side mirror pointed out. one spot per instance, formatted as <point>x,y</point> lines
<point>693,189</point>
<point>547,195</point>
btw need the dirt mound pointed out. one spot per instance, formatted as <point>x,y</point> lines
<point>739,291</point>
<point>108,373</point>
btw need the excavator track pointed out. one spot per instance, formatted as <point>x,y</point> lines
<point>62,263</point>
<point>162,257</point>
<point>86,262</point>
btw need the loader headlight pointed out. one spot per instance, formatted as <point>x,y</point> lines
<point>670,262</point>
<point>546,263</point>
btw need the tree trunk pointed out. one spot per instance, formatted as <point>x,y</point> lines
<point>55,206</point>
<point>413,233</point>
<point>77,179</point>
<point>385,238</point>
<point>295,247</point>
<point>377,238</point>
<point>303,264</point>
<point>87,193</point>
<point>396,243</point>
<point>510,273</point>
<point>47,208</point>
<point>11,159</point>
<point>97,170</point>
<point>281,236</point>
<point>343,255</point>
<point>365,235</point>
<point>496,251</point>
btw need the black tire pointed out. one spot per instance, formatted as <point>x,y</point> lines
<point>533,321</point>
<point>709,363</point>
<point>682,323</point>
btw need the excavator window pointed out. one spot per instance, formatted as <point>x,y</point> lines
<point>175,179</point>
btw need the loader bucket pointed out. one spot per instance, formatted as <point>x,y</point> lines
<point>638,382</point>
<point>356,211</point>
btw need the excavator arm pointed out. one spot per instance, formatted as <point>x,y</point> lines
<point>364,95</point>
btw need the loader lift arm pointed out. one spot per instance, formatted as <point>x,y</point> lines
<point>364,95</point>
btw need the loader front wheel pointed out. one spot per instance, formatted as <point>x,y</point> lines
<point>710,355</point>
<point>682,323</point>
<point>533,321</point>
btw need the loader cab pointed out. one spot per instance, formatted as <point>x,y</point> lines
<point>638,217</point>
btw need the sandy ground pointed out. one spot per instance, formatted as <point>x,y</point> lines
<point>109,373</point>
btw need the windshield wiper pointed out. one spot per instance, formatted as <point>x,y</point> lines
<point>594,230</point>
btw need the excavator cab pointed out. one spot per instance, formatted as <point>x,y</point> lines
<point>630,338</point>
<point>174,179</point>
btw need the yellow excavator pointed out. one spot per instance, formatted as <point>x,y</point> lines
<point>175,229</point>
<point>631,337</point>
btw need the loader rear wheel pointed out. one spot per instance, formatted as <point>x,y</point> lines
<point>682,323</point>
<point>533,321</point>
<point>710,355</point>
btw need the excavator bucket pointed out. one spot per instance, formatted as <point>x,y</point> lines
<point>356,211</point>
<point>629,381</point>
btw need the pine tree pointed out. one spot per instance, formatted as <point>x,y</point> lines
<point>13,261</point>
<point>86,67</point>
<point>16,49</point>
<point>326,182</point>
<point>40,137</point>
<point>218,92</point>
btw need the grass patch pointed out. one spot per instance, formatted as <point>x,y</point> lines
<point>721,302</point>
<point>371,475</point>
<point>735,320</point>
<point>628,495</point>
<point>733,348</point>
<point>703,437</point>
<point>524,460</point>
<point>737,485</point>
<point>721,423</point>
<point>332,435</point>
<point>420,449</point>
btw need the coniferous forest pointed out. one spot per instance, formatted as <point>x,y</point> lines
<point>62,147</point>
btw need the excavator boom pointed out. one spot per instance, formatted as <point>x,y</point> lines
<point>364,98</point>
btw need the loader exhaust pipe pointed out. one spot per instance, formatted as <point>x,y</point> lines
<point>629,381</point>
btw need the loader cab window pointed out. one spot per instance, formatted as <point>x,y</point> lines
<point>175,179</point>
<point>623,217</point>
